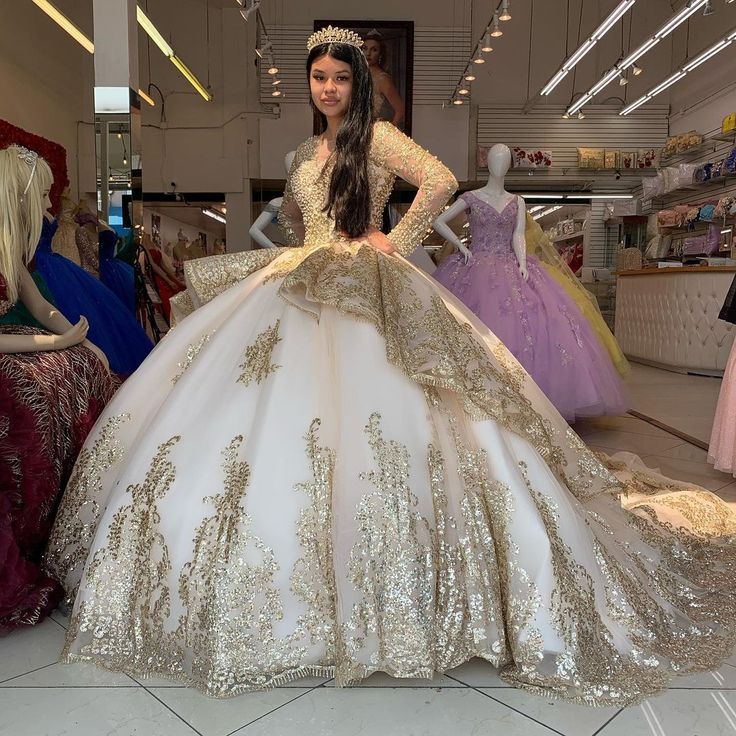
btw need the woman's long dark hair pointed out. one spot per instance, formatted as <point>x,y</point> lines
<point>349,198</point>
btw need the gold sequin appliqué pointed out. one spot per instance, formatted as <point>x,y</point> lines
<point>80,510</point>
<point>231,602</point>
<point>257,365</point>
<point>192,352</point>
<point>126,605</point>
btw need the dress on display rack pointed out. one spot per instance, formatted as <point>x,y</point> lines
<point>117,275</point>
<point>331,467</point>
<point>49,401</point>
<point>538,245</point>
<point>111,325</point>
<point>535,319</point>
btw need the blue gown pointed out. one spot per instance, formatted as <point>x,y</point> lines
<point>117,275</point>
<point>111,325</point>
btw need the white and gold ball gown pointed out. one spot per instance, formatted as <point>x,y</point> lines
<point>371,482</point>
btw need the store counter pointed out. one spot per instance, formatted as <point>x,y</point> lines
<point>668,317</point>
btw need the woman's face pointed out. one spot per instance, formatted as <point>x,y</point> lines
<point>46,201</point>
<point>372,52</point>
<point>331,85</point>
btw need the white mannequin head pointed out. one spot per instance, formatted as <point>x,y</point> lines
<point>499,161</point>
<point>289,160</point>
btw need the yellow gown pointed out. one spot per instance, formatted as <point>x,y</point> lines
<point>538,244</point>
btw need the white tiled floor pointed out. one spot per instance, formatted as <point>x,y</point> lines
<point>39,697</point>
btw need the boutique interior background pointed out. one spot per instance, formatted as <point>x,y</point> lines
<point>234,143</point>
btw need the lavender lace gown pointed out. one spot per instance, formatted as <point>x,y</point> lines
<point>535,319</point>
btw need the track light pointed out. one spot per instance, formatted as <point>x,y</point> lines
<point>636,70</point>
<point>275,82</point>
<point>457,101</point>
<point>622,80</point>
<point>566,115</point>
<point>587,45</point>
<point>581,115</point>
<point>469,75</point>
<point>708,9</point>
<point>486,43</point>
<point>478,58</point>
<point>506,14</point>
<point>463,91</point>
<point>496,32</point>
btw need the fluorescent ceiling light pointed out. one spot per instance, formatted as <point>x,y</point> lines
<point>669,26</point>
<point>701,58</point>
<point>574,196</point>
<point>56,15</point>
<point>153,33</point>
<point>214,214</point>
<point>146,98</point>
<point>588,44</point>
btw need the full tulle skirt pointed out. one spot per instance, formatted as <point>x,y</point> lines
<point>542,327</point>
<point>333,468</point>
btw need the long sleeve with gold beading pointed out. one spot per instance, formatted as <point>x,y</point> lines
<point>290,215</point>
<point>399,154</point>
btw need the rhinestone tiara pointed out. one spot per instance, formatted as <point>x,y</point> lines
<point>334,35</point>
<point>31,158</point>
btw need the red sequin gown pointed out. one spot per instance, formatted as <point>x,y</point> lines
<point>49,402</point>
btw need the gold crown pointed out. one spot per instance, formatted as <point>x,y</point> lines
<point>334,35</point>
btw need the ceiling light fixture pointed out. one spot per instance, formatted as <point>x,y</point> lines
<point>708,9</point>
<point>636,70</point>
<point>56,15</point>
<point>463,91</point>
<point>214,214</point>
<point>153,33</point>
<point>478,58</point>
<point>581,115</point>
<point>622,80</point>
<point>146,98</point>
<point>457,101</point>
<point>506,13</point>
<point>694,63</point>
<point>496,32</point>
<point>469,75</point>
<point>587,45</point>
<point>486,44</point>
<point>667,28</point>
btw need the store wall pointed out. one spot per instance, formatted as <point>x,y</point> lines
<point>46,81</point>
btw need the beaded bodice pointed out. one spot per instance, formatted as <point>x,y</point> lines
<point>492,231</point>
<point>392,154</point>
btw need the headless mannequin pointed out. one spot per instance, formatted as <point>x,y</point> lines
<point>257,229</point>
<point>494,194</point>
<point>64,241</point>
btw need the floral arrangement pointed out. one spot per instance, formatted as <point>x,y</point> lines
<point>53,153</point>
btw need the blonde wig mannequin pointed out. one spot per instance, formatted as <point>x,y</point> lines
<point>23,201</point>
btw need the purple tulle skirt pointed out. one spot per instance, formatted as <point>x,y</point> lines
<point>543,328</point>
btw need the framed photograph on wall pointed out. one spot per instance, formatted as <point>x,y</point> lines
<point>389,49</point>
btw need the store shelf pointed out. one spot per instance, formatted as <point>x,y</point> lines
<point>690,153</point>
<point>728,137</point>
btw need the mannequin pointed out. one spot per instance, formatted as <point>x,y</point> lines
<point>267,218</point>
<point>64,241</point>
<point>53,385</point>
<point>87,239</point>
<point>494,194</point>
<point>530,312</point>
<point>164,274</point>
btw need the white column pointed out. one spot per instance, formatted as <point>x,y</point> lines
<point>239,219</point>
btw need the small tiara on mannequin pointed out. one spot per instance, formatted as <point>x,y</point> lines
<point>31,158</point>
<point>334,35</point>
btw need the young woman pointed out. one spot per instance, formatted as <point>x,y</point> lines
<point>332,468</point>
<point>53,385</point>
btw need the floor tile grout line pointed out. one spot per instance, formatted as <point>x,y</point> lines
<point>667,428</point>
<point>613,717</point>
<point>30,672</point>
<point>58,624</point>
<point>283,705</point>
<point>169,708</point>
<point>511,707</point>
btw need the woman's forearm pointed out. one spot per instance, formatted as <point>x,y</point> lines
<point>27,343</point>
